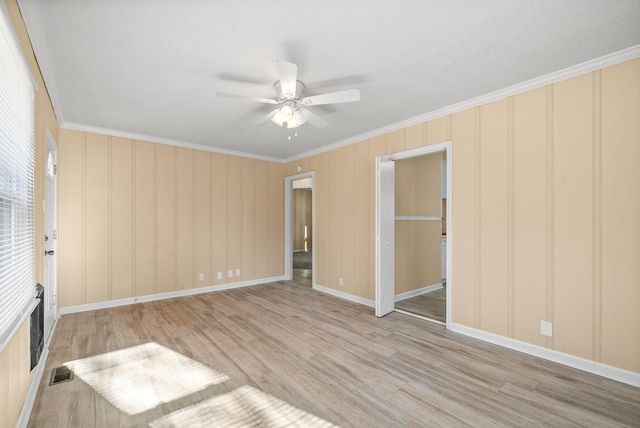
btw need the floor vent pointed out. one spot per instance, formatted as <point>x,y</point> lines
<point>61,374</point>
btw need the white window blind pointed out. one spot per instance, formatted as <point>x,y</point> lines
<point>17,258</point>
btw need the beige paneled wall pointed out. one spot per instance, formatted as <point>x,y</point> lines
<point>546,202</point>
<point>302,216</point>
<point>418,193</point>
<point>138,218</point>
<point>15,374</point>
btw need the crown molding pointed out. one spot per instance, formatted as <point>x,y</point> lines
<point>624,55</point>
<point>165,141</point>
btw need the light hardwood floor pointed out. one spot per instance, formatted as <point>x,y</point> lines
<point>431,305</point>
<point>260,347</point>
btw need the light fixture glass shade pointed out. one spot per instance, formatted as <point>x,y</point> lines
<point>287,113</point>
<point>299,116</point>
<point>278,118</point>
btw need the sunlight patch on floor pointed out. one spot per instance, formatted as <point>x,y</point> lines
<point>142,377</point>
<point>243,407</point>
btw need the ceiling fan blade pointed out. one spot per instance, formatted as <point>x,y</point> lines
<point>243,97</point>
<point>314,119</point>
<point>267,118</point>
<point>347,96</point>
<point>288,73</point>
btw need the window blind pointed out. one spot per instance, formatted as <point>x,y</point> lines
<point>17,256</point>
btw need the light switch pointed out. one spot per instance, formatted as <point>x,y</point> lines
<point>237,272</point>
<point>230,273</point>
<point>219,275</point>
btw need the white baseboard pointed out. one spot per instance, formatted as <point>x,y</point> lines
<point>345,296</point>
<point>594,367</point>
<point>27,407</point>
<point>417,292</point>
<point>162,296</point>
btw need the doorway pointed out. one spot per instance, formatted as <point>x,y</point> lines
<point>299,228</point>
<point>50,237</point>
<point>413,260</point>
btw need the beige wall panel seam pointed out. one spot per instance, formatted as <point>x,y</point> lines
<point>550,256</point>
<point>510,217</point>
<point>134,275</point>
<point>155,218</point>
<point>109,217</point>
<point>176,246</point>
<point>597,216</point>
<point>194,270</point>
<point>83,228</point>
<point>478,148</point>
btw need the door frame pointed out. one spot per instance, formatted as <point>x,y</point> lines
<point>51,215</point>
<point>288,224</point>
<point>445,146</point>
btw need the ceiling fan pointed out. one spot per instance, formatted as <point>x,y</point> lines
<point>293,111</point>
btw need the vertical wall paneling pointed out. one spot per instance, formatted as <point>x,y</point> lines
<point>234,214</point>
<point>494,214</point>
<point>529,216</point>
<point>96,207</point>
<point>347,218</point>
<point>362,236</point>
<point>334,216</point>
<point>573,221</point>
<point>70,224</point>
<point>145,219</point>
<point>219,217</point>
<point>438,130</point>
<point>395,141</point>
<point>164,208</point>
<point>121,219</point>
<point>620,175</point>
<point>276,219</point>
<point>202,218</point>
<point>321,246</point>
<point>550,211</point>
<point>184,167</point>
<point>262,202</point>
<point>415,136</point>
<point>248,218</point>
<point>597,216</point>
<point>464,217</point>
<point>376,149</point>
<point>510,216</point>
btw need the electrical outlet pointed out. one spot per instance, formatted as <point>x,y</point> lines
<point>340,282</point>
<point>546,328</point>
<point>230,273</point>
<point>201,277</point>
<point>219,275</point>
<point>237,272</point>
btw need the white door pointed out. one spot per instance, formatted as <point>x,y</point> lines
<point>51,239</point>
<point>385,218</point>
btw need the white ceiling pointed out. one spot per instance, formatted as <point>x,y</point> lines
<point>149,69</point>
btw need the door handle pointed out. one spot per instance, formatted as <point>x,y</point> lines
<point>49,253</point>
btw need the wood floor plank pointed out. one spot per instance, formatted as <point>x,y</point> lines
<point>326,356</point>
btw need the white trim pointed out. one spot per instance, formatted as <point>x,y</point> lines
<point>27,407</point>
<point>26,313</point>
<point>579,363</point>
<point>418,292</point>
<point>345,296</point>
<point>165,141</point>
<point>417,218</point>
<point>557,76</point>
<point>449,224</point>
<point>422,317</point>
<point>162,296</point>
